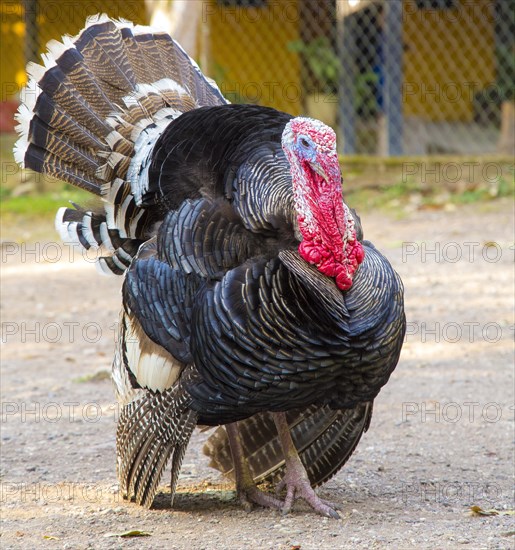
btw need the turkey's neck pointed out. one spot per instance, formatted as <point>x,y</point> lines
<point>325,222</point>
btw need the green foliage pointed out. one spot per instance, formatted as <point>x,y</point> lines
<point>31,217</point>
<point>39,205</point>
<point>365,101</point>
<point>321,59</point>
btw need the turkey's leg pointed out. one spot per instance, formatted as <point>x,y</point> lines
<point>246,489</point>
<point>296,479</point>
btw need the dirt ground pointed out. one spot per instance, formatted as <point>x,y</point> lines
<point>441,438</point>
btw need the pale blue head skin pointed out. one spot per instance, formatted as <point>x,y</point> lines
<point>305,148</point>
<point>304,135</point>
<point>307,140</point>
<point>310,140</point>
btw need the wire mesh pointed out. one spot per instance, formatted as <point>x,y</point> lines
<point>393,77</point>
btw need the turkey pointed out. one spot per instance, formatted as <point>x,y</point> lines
<point>250,298</point>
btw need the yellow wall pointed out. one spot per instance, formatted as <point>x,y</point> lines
<point>449,56</point>
<point>450,52</point>
<point>54,18</point>
<point>246,47</point>
<point>248,53</point>
<point>12,29</point>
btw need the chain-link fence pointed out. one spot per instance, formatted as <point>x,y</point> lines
<point>394,77</point>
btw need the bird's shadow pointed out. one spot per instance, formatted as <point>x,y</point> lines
<point>197,501</point>
<point>200,500</point>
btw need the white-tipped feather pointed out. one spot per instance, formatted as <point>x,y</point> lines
<point>120,23</point>
<point>54,51</point>
<point>164,84</point>
<point>109,191</point>
<point>139,127</point>
<point>133,119</point>
<point>124,255</point>
<point>134,222</point>
<point>60,225</point>
<point>120,374</point>
<point>20,148</point>
<point>48,61</point>
<point>113,138</point>
<point>153,367</point>
<point>30,94</point>
<point>210,81</point>
<point>87,232</point>
<point>116,120</point>
<point>144,29</point>
<point>121,217</point>
<point>109,210</point>
<point>104,235</point>
<point>102,267</point>
<point>68,230</point>
<point>118,263</point>
<point>28,98</point>
<point>72,239</point>
<point>137,173</point>
<point>168,113</point>
<point>35,71</point>
<point>139,179</point>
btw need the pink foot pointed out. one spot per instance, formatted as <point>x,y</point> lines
<point>248,493</point>
<point>252,495</point>
<point>296,481</point>
<point>298,486</point>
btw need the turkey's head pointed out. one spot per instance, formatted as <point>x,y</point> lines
<point>325,222</point>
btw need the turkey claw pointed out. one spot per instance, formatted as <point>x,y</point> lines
<point>301,488</point>
<point>252,495</point>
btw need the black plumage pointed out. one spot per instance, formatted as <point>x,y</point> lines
<point>222,319</point>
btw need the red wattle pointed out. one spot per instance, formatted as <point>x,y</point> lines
<point>325,222</point>
<point>309,252</point>
<point>334,263</point>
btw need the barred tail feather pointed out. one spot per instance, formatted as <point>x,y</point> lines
<point>91,114</point>
<point>88,230</point>
<point>329,452</point>
<point>152,429</point>
<point>84,228</point>
<point>324,438</point>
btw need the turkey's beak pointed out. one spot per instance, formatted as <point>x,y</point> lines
<point>319,170</point>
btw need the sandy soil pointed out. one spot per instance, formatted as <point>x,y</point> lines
<point>441,439</point>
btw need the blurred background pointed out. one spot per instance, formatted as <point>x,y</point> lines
<point>398,80</point>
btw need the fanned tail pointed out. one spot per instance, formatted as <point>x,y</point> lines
<point>90,116</point>
<point>324,438</point>
<point>152,429</point>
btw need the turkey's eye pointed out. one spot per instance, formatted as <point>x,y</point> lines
<point>304,142</point>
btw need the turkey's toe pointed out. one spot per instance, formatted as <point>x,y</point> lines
<point>252,495</point>
<point>301,488</point>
